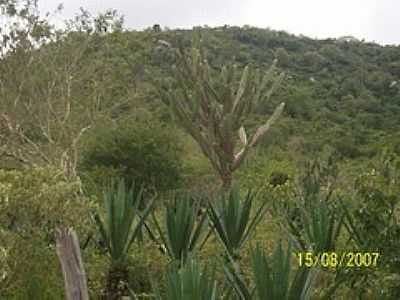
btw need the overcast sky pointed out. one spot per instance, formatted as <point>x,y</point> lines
<point>372,20</point>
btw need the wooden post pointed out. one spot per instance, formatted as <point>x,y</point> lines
<point>69,254</point>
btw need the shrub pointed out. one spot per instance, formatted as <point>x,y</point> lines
<point>32,203</point>
<point>146,152</point>
<point>372,221</point>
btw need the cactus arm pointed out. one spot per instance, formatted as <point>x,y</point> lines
<point>239,157</point>
<point>264,128</point>
<point>242,87</point>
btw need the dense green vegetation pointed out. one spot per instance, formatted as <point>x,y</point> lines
<point>90,138</point>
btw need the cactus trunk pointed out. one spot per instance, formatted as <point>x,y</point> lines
<point>227,181</point>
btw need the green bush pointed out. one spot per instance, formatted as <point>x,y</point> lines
<point>373,224</point>
<point>146,152</point>
<point>32,203</point>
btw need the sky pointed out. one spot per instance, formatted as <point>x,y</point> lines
<point>373,20</point>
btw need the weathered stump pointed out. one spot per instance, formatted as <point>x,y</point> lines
<point>69,254</point>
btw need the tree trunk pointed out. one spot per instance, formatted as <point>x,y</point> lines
<point>69,254</point>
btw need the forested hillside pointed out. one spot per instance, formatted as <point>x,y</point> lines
<point>340,95</point>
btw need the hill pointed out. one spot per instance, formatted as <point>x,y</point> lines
<point>340,94</point>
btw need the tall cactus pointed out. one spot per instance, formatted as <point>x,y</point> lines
<point>211,106</point>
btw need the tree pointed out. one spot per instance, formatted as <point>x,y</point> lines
<point>283,57</point>
<point>49,98</point>
<point>212,109</point>
<point>313,60</point>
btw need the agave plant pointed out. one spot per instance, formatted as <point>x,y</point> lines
<point>317,226</point>
<point>119,228</point>
<point>184,231</point>
<point>232,220</point>
<point>314,219</point>
<point>323,224</point>
<point>189,282</point>
<point>272,277</point>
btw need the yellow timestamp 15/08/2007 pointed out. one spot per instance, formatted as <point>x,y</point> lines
<point>334,259</point>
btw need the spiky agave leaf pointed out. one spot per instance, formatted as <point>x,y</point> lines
<point>272,277</point>
<point>301,286</point>
<point>232,220</point>
<point>323,224</point>
<point>266,275</point>
<point>122,222</point>
<point>184,233</point>
<point>190,281</point>
<point>235,279</point>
